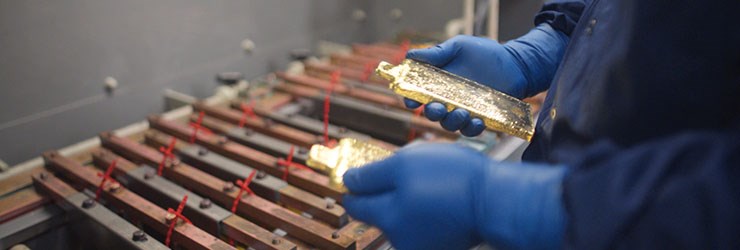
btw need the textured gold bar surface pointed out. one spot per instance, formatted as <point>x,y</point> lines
<point>348,153</point>
<point>425,83</point>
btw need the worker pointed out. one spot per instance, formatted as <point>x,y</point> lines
<point>637,145</point>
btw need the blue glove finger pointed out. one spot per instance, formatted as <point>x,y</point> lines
<point>455,120</point>
<point>411,103</point>
<point>375,177</point>
<point>370,209</point>
<point>435,111</point>
<point>438,55</point>
<point>473,128</point>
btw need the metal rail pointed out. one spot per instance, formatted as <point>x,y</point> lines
<point>185,234</point>
<point>253,207</point>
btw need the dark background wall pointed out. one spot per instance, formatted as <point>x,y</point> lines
<point>54,55</point>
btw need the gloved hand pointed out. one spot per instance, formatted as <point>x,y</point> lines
<point>446,196</point>
<point>520,68</point>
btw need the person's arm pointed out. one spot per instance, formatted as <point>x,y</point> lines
<point>679,192</point>
<point>562,15</point>
<point>540,51</point>
<point>668,175</point>
<point>521,68</point>
<point>446,196</point>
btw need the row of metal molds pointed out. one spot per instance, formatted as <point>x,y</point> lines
<point>263,139</point>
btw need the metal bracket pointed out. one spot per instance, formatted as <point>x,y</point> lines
<point>267,144</point>
<point>30,225</point>
<point>127,235</point>
<point>168,194</point>
<point>224,168</point>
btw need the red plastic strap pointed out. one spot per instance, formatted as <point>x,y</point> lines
<point>106,177</point>
<point>402,54</point>
<point>178,216</point>
<point>335,77</point>
<point>368,70</point>
<point>247,111</point>
<point>327,104</point>
<point>166,153</point>
<point>283,162</point>
<point>289,163</point>
<point>332,143</point>
<point>412,131</point>
<point>197,127</point>
<point>243,186</point>
<point>405,44</point>
<point>398,58</point>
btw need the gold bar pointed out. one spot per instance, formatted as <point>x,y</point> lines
<point>348,153</point>
<point>425,83</point>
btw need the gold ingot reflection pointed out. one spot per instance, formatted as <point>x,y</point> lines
<point>348,153</point>
<point>425,83</point>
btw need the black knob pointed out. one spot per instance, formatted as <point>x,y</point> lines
<point>88,203</point>
<point>205,203</point>
<point>229,78</point>
<point>139,236</point>
<point>261,175</point>
<point>300,54</point>
<point>202,151</point>
<point>302,150</point>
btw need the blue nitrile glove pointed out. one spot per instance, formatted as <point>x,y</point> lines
<point>520,68</point>
<point>447,196</point>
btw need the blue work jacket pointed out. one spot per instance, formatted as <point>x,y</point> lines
<point>645,108</point>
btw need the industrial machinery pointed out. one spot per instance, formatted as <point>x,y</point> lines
<point>224,172</point>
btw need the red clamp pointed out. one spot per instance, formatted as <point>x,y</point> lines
<point>197,127</point>
<point>166,154</point>
<point>106,177</point>
<point>412,131</point>
<point>178,216</point>
<point>289,163</point>
<point>243,186</point>
<point>247,111</point>
<point>335,78</point>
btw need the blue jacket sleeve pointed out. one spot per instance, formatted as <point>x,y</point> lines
<point>680,192</point>
<point>562,15</point>
<point>670,179</point>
